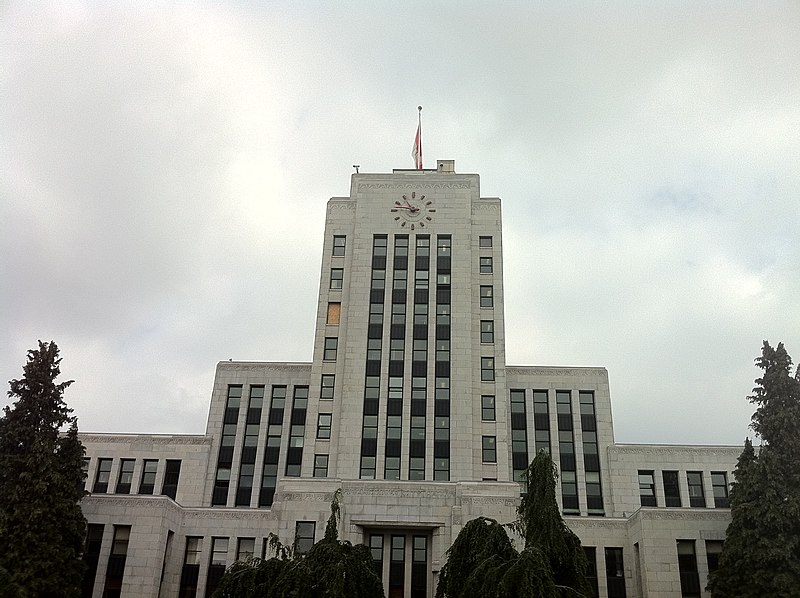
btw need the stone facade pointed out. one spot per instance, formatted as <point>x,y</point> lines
<point>409,408</point>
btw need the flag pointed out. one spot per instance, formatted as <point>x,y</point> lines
<point>416,152</point>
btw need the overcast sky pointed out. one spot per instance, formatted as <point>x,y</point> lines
<point>159,159</point>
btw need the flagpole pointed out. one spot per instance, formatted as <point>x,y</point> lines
<point>416,151</point>
<point>419,124</point>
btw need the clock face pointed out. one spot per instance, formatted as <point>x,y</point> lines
<point>413,211</point>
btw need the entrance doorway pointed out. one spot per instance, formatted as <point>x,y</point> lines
<point>401,560</point>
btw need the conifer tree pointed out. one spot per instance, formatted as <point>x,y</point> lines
<point>543,527</point>
<point>330,569</point>
<point>42,528</point>
<point>483,562</point>
<point>761,553</point>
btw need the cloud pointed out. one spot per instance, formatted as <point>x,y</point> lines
<point>161,159</point>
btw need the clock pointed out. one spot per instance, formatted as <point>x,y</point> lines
<point>413,211</point>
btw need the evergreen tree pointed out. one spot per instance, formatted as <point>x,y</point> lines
<point>483,562</point>
<point>761,553</point>
<point>330,569</point>
<point>543,527</point>
<point>42,528</point>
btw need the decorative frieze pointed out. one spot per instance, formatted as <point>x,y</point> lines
<point>305,497</point>
<point>397,491</point>
<point>265,367</point>
<point>489,500</point>
<point>544,371</point>
<point>343,204</point>
<point>672,453</point>
<point>143,440</point>
<point>421,185</point>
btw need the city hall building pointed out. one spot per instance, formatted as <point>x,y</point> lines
<point>408,407</point>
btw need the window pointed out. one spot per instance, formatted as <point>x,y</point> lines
<point>421,278</point>
<point>591,569</point>
<point>326,386</point>
<point>486,265</point>
<point>484,241</point>
<point>171,476</point>
<point>487,408</point>
<point>339,242</point>
<point>103,475</point>
<point>487,296</point>
<point>191,567</point>
<point>489,449</point>
<point>219,495</point>
<point>219,551</point>
<point>379,245</point>
<point>719,484</point>
<point>303,536</point>
<point>331,346</point>
<point>416,468</point>
<point>713,550</point>
<point>398,313</point>
<point>337,278</point>
<point>91,556</point>
<point>400,279</point>
<point>687,566</point>
<point>487,331</point>
<point>297,431</point>
<point>245,549</point>
<point>216,568</point>
<point>148,482</point>
<point>397,566</point>
<point>247,466</point>
<point>401,246</point>
<point>594,493</point>
<point>334,313</point>
<point>320,466</point>
<point>419,565</point>
<point>122,534</point>
<point>373,349</point>
<point>541,420</point>
<point>443,315</point>
<point>615,573</point>
<point>695,481</point>
<point>419,350</point>
<point>672,492</point>
<point>647,489</point>
<point>569,491</point>
<point>519,434</point>
<point>378,279</point>
<point>487,369</point>
<point>125,476</point>
<point>420,314</point>
<point>116,561</point>
<point>397,348</point>
<point>443,350</point>
<point>85,470</point>
<point>376,550</point>
<point>324,426</point>
<point>194,547</point>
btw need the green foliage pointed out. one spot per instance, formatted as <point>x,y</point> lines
<point>543,527</point>
<point>478,552</point>
<point>253,577</point>
<point>42,528</point>
<point>761,554</point>
<point>483,562</point>
<point>330,569</point>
